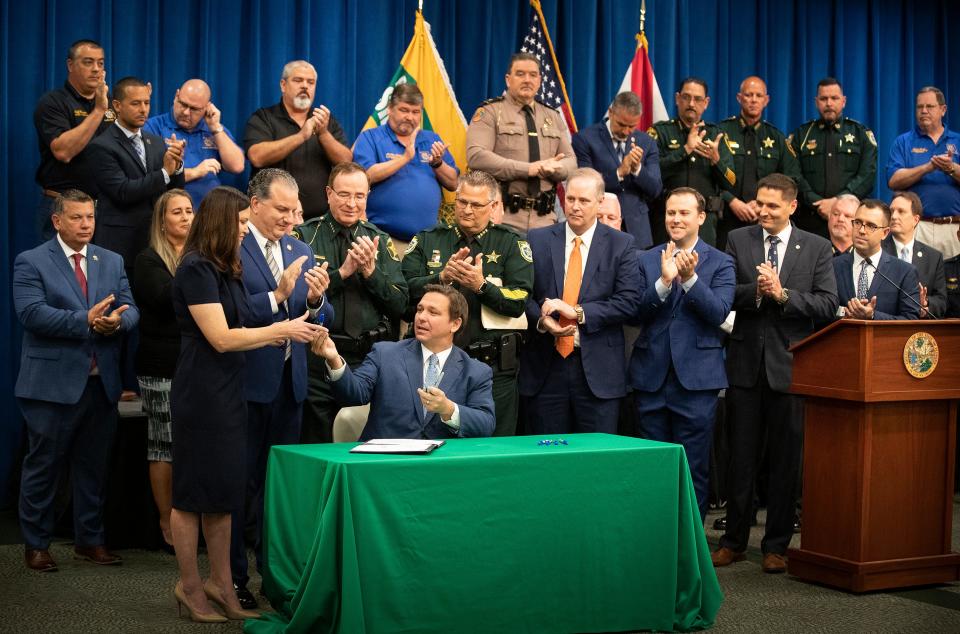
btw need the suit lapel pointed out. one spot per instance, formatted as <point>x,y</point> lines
<point>413,359</point>
<point>127,145</point>
<point>64,265</point>
<point>557,253</point>
<point>153,152</point>
<point>790,255</point>
<point>253,250</point>
<point>93,275</point>
<point>597,251</point>
<point>607,141</point>
<point>758,251</point>
<point>845,286</point>
<point>882,267</point>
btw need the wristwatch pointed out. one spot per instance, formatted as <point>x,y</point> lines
<point>579,310</point>
<point>784,296</point>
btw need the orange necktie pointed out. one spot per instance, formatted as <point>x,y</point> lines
<point>571,293</point>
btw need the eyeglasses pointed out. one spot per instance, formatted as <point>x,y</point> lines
<point>869,226</point>
<point>189,108</point>
<point>474,206</point>
<point>694,98</point>
<point>346,196</point>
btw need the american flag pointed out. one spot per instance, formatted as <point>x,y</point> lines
<point>553,92</point>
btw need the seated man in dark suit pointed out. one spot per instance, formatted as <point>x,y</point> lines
<point>627,159</point>
<point>131,168</point>
<point>74,303</point>
<point>586,286</point>
<point>905,213</point>
<point>867,279</point>
<point>418,388</point>
<point>686,291</point>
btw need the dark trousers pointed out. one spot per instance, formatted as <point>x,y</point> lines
<point>505,402</point>
<point>268,424</point>
<point>750,413</point>
<point>686,417</point>
<point>566,405</point>
<point>80,434</point>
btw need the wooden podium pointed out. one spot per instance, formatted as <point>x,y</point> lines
<point>878,457</point>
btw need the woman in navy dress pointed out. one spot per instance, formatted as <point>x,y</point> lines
<point>207,402</point>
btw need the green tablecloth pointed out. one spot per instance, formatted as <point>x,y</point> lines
<point>486,535</point>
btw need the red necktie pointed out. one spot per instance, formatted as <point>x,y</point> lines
<point>78,271</point>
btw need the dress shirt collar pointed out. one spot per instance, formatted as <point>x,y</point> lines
<point>69,251</point>
<point>899,246</point>
<point>586,237</point>
<point>784,236</point>
<point>443,355</point>
<point>857,259</point>
<point>259,237</point>
<point>127,133</point>
<point>616,141</point>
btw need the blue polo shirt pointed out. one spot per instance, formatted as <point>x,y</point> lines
<point>939,193</point>
<point>200,146</point>
<point>407,202</point>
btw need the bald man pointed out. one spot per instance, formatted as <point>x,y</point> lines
<point>210,147</point>
<point>758,149</point>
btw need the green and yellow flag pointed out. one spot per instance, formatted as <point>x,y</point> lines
<point>421,65</point>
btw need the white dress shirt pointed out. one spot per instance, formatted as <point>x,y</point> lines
<point>857,262</point>
<point>69,252</point>
<point>784,236</point>
<point>900,247</point>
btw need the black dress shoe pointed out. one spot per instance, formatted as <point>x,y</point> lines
<point>245,597</point>
<point>720,524</point>
<point>796,524</point>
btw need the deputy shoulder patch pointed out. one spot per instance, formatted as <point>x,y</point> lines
<point>109,116</point>
<point>296,234</point>
<point>525,251</point>
<point>653,133</point>
<point>478,114</point>
<point>412,245</point>
<point>871,138</point>
<point>392,250</point>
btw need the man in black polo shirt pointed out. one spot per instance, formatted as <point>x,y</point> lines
<point>294,136</point>
<point>66,120</point>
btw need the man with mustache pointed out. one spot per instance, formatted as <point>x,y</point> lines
<point>694,154</point>
<point>408,165</point>
<point>298,138</point>
<point>924,161</point>
<point>133,168</point>
<point>67,119</point>
<point>524,144</point>
<point>837,156</point>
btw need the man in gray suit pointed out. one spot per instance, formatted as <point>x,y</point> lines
<point>905,212</point>
<point>785,284</point>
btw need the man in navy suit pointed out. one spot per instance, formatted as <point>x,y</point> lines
<point>586,281</point>
<point>686,290</point>
<point>131,168</point>
<point>628,159</point>
<point>74,303</point>
<point>418,388</point>
<point>906,210</point>
<point>867,279</point>
<point>276,376</point>
<point>785,286</point>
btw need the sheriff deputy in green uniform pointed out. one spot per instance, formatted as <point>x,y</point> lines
<point>758,149</point>
<point>692,154</point>
<point>493,267</point>
<point>366,288</point>
<point>837,156</point>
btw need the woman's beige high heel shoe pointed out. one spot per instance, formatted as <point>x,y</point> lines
<point>194,616</point>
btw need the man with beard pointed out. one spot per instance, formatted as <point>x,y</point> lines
<point>304,141</point>
<point>837,156</point>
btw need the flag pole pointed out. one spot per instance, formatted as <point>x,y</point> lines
<point>643,13</point>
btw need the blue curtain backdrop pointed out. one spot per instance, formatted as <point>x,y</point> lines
<point>882,51</point>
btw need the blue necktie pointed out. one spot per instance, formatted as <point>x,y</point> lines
<point>621,151</point>
<point>862,285</point>
<point>138,146</point>
<point>432,377</point>
<point>772,256</point>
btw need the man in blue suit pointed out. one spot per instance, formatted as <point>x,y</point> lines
<point>74,303</point>
<point>867,279</point>
<point>586,281</point>
<point>418,388</point>
<point>276,376</point>
<point>677,371</point>
<point>628,160</point>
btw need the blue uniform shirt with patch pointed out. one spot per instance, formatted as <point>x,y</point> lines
<point>939,192</point>
<point>407,202</point>
<point>200,146</point>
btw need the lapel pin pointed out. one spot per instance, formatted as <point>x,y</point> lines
<point>95,258</point>
<point>919,254</point>
<point>797,247</point>
<point>289,248</point>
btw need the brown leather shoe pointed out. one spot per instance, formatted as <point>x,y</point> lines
<point>725,556</point>
<point>774,563</point>
<point>39,560</point>
<point>97,554</point>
